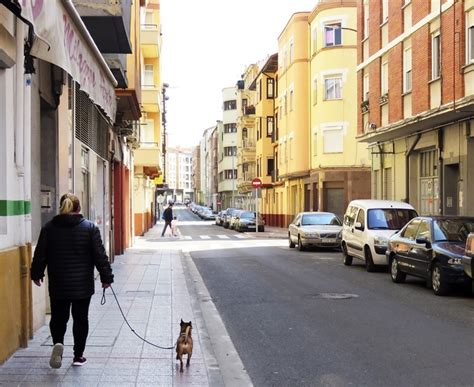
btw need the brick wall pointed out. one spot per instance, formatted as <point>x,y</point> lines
<point>421,69</point>
<point>395,83</point>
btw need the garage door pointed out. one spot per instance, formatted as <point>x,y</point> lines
<point>335,200</point>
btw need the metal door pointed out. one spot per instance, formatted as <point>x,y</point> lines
<point>451,189</point>
<point>334,200</point>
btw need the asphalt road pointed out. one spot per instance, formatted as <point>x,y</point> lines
<point>303,318</point>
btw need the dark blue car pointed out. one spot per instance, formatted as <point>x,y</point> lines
<point>431,247</point>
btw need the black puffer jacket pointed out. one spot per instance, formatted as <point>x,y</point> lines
<point>70,246</point>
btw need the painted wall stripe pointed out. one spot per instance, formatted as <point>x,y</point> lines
<point>14,207</point>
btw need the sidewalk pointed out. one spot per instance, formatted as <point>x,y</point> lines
<point>152,289</point>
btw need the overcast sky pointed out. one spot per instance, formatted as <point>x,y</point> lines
<point>207,45</point>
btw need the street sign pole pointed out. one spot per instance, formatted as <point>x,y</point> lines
<point>257,184</point>
<point>256,209</point>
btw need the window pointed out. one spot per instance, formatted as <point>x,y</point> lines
<point>270,167</point>
<point>286,103</point>
<point>230,128</point>
<point>384,11</point>
<point>350,215</point>
<point>230,174</point>
<point>333,140</point>
<point>435,56</point>
<point>411,229</point>
<point>148,78</point>
<point>333,88</point>
<point>270,88</point>
<point>384,77</point>
<point>424,231</point>
<point>269,126</point>
<point>407,70</point>
<point>332,34</point>
<point>291,99</point>
<point>470,42</point>
<point>230,105</point>
<point>315,91</point>
<point>365,96</point>
<point>230,151</point>
<point>361,217</point>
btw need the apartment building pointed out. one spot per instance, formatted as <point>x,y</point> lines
<point>179,164</point>
<point>247,127</point>
<point>266,149</point>
<point>416,94</point>
<point>227,150</point>
<point>293,115</point>
<point>196,175</point>
<point>339,166</point>
<point>148,140</point>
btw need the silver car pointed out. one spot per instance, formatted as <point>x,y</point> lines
<point>318,229</point>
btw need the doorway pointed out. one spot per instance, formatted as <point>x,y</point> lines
<point>451,189</point>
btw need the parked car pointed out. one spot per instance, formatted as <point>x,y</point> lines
<point>227,216</point>
<point>219,218</point>
<point>233,218</point>
<point>207,214</point>
<point>467,259</point>
<point>246,220</point>
<point>319,229</point>
<point>431,247</point>
<point>367,226</point>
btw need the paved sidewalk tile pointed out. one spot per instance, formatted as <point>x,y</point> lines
<point>151,287</point>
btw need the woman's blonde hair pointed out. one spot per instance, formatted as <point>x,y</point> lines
<point>69,204</point>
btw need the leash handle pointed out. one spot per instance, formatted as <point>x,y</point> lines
<point>103,301</point>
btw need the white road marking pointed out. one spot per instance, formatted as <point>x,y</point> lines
<point>223,236</point>
<point>204,236</point>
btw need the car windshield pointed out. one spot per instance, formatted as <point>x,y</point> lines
<point>452,230</point>
<point>389,218</point>
<point>247,215</point>
<point>320,220</point>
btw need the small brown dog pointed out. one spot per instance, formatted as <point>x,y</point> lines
<point>184,344</point>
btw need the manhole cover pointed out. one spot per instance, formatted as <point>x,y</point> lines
<point>334,296</point>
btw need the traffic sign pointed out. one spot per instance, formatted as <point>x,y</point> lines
<point>256,183</point>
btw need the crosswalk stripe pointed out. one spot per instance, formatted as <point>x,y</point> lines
<point>204,236</point>
<point>223,236</point>
<point>240,236</point>
<point>187,237</point>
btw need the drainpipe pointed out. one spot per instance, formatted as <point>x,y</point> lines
<point>407,167</point>
<point>440,171</point>
<point>381,169</point>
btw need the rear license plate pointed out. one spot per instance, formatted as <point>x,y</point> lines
<point>328,240</point>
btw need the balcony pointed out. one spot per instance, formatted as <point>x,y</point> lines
<point>118,65</point>
<point>150,40</point>
<point>108,22</point>
<point>147,155</point>
<point>151,99</point>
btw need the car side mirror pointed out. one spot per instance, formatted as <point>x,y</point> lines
<point>423,241</point>
<point>358,226</point>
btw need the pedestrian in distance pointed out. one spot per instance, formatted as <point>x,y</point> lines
<point>174,226</point>
<point>70,246</point>
<point>167,217</point>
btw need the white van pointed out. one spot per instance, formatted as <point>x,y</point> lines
<point>367,226</point>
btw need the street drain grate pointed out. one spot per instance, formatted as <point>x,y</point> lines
<point>334,296</point>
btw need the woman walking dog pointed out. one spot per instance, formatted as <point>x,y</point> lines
<point>70,246</point>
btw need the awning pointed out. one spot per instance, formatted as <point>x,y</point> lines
<point>62,39</point>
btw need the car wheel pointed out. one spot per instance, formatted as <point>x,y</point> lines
<point>290,242</point>
<point>346,258</point>
<point>369,262</point>
<point>300,244</point>
<point>395,273</point>
<point>438,281</point>
<point>239,229</point>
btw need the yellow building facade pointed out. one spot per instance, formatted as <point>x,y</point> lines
<point>339,166</point>
<point>265,85</point>
<point>148,155</point>
<point>246,137</point>
<point>292,153</point>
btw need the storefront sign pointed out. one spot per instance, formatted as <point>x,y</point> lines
<point>61,42</point>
